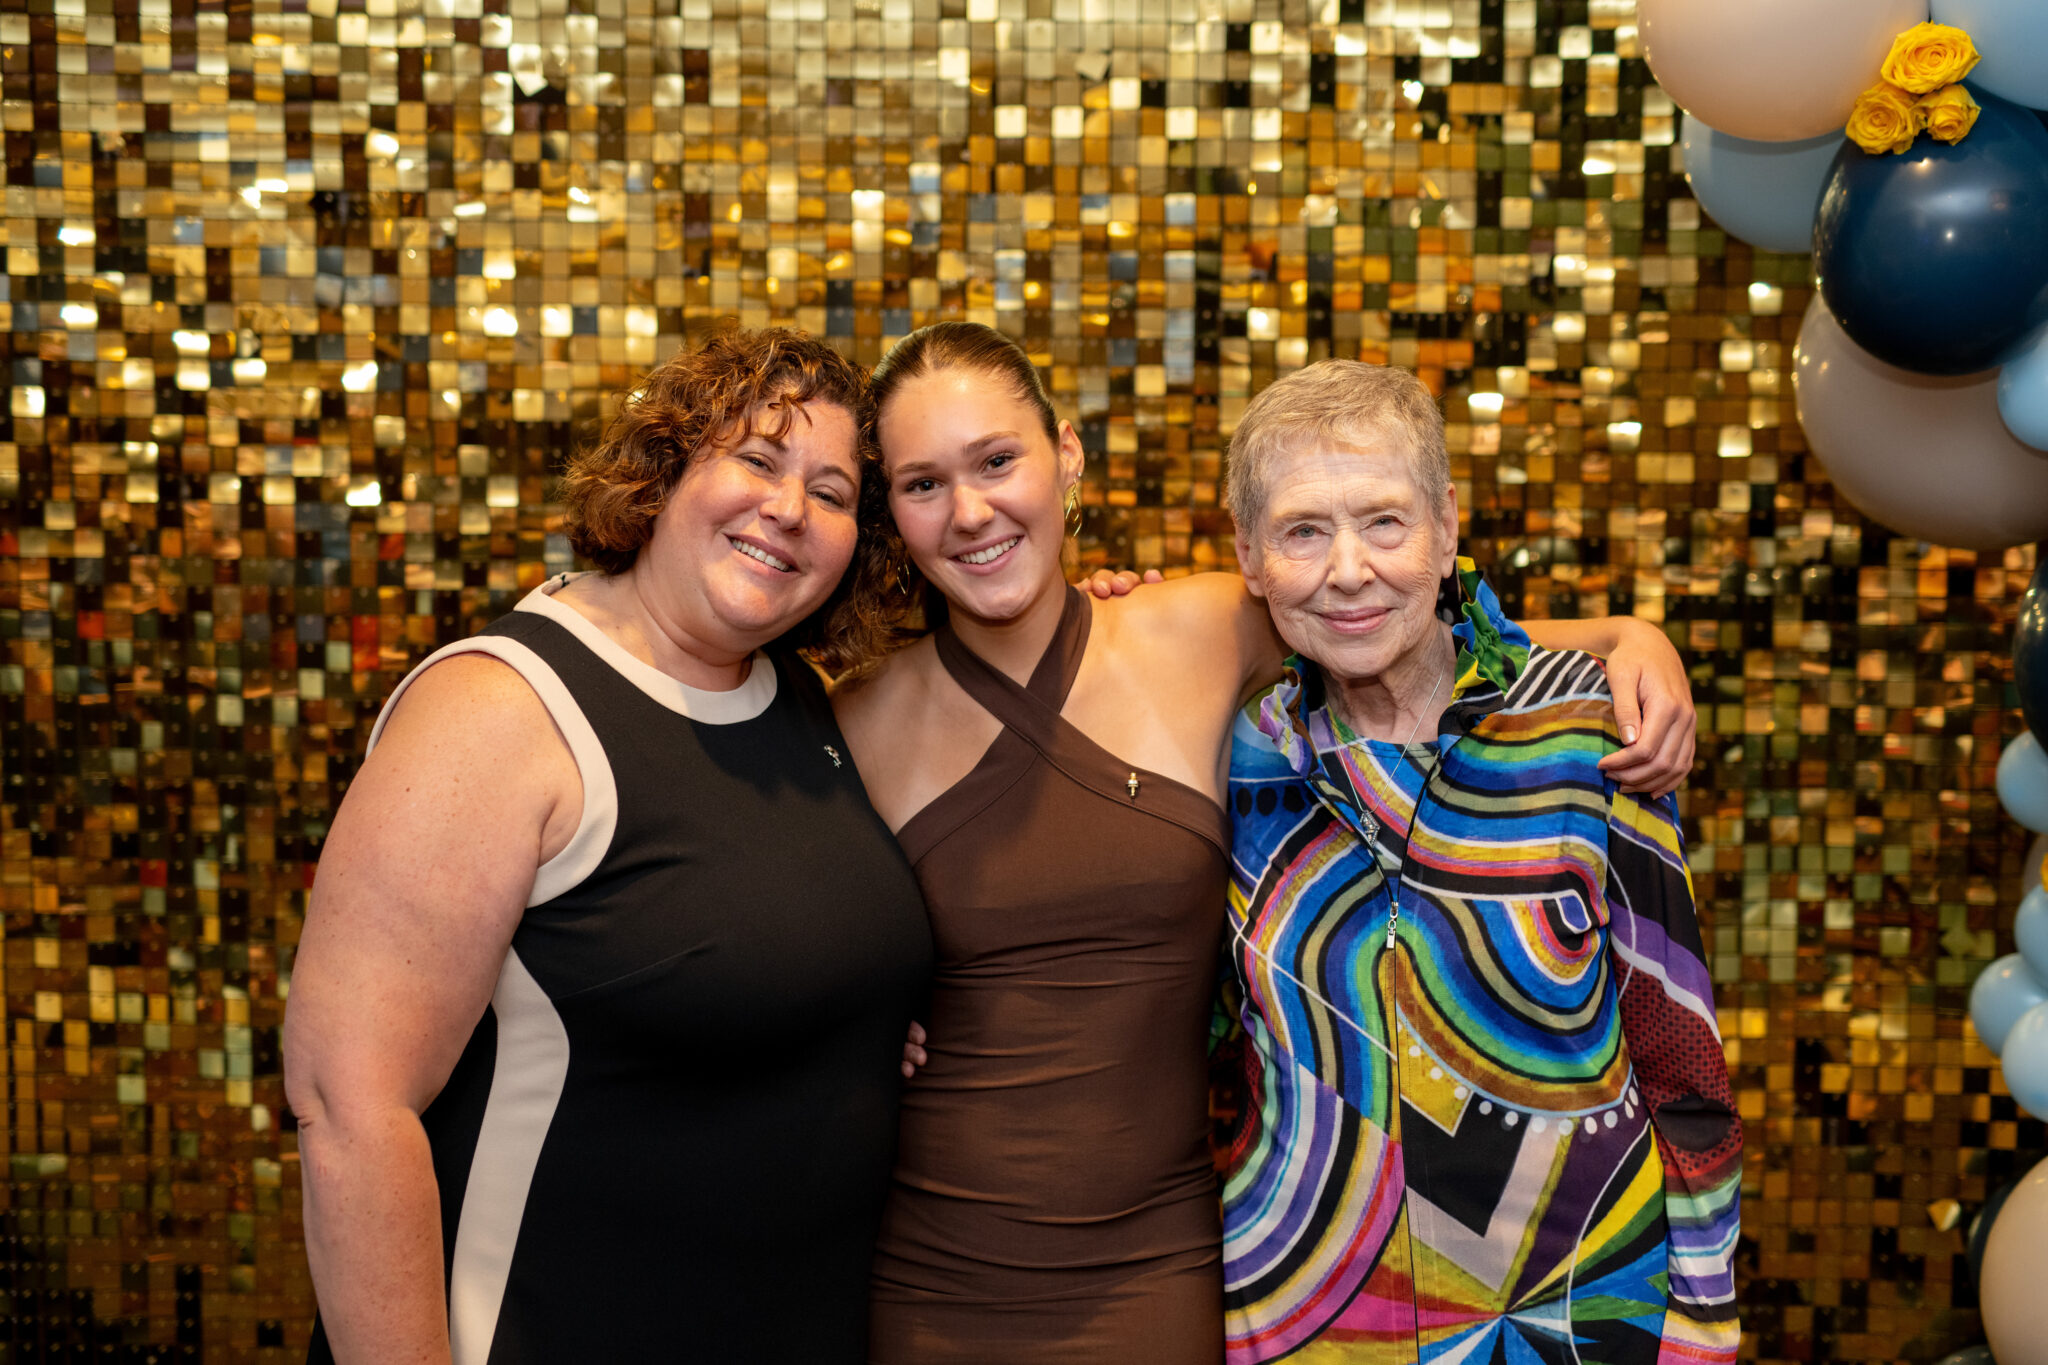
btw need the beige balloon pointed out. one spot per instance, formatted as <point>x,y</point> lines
<point>2015,1272</point>
<point>1770,70</point>
<point>1927,455</point>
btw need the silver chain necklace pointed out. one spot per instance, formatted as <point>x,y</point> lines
<point>1419,720</point>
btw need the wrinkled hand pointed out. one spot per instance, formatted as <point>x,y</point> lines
<point>1108,583</point>
<point>1654,711</point>
<point>913,1050</point>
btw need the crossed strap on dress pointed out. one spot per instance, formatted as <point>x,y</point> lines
<point>1032,713</point>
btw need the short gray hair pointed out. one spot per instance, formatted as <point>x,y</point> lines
<point>1334,402</point>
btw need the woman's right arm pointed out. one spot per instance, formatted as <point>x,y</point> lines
<point>423,879</point>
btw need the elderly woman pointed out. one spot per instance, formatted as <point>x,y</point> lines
<point>1489,1117</point>
<point>595,1026</point>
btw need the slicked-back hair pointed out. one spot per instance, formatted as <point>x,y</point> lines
<point>736,384</point>
<point>956,344</point>
<point>1334,403</point>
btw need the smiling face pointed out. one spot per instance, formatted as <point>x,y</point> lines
<point>1348,553</point>
<point>976,489</point>
<point>759,529</point>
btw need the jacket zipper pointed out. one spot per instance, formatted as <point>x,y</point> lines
<point>1393,1013</point>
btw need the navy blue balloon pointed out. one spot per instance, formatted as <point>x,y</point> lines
<point>2030,654</point>
<point>1935,259</point>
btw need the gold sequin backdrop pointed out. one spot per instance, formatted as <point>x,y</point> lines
<point>305,300</point>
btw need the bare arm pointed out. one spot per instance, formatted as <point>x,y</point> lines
<point>1652,697</point>
<point>422,882</point>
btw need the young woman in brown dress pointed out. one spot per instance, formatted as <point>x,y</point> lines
<point>1053,767</point>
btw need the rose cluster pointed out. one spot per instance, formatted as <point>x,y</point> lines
<point>1921,373</point>
<point>1920,89</point>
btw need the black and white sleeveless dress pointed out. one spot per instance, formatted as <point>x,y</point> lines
<point>670,1136</point>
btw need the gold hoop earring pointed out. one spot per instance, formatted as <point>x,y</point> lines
<point>1073,501</point>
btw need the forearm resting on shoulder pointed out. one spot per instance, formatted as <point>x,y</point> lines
<point>1601,635</point>
<point>373,1231</point>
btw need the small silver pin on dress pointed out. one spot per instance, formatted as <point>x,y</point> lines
<point>834,753</point>
<point>1132,786</point>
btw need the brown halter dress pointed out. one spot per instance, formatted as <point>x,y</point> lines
<point>1053,1197</point>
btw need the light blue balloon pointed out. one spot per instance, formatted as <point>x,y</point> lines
<point>2030,930</point>
<point>2025,1061</point>
<point>2002,993</point>
<point>2023,782</point>
<point>2023,390</point>
<point>2012,38</point>
<point>1763,192</point>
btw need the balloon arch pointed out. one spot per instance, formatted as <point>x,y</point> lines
<point>1903,143</point>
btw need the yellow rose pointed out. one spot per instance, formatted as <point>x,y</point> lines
<point>1949,113</point>
<point>1928,56</point>
<point>1885,119</point>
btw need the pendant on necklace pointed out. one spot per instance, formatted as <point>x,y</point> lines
<point>1132,786</point>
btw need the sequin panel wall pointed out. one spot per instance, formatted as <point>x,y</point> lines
<point>304,302</point>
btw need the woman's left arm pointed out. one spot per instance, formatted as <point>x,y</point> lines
<point>1652,697</point>
<point>1674,1041</point>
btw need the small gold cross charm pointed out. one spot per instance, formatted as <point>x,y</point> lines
<point>1132,785</point>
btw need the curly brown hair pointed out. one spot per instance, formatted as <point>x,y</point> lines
<point>614,490</point>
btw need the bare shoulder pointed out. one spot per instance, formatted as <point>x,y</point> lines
<point>468,752</point>
<point>467,701</point>
<point>1206,621</point>
<point>880,688</point>
<point>883,709</point>
<point>902,722</point>
<point>1200,604</point>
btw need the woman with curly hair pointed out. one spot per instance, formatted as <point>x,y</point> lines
<point>596,1021</point>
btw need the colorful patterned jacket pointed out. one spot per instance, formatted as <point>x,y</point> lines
<point>1494,1124</point>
